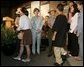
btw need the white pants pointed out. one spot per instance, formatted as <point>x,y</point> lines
<point>58,51</point>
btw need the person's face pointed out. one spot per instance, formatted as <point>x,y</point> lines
<point>52,13</point>
<point>72,9</point>
<point>20,12</point>
<point>70,4</point>
<point>36,13</point>
<point>79,7</point>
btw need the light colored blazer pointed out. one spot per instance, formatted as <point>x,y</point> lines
<point>80,23</point>
<point>37,23</point>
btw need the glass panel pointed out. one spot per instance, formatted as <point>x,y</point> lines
<point>44,10</point>
<point>34,4</point>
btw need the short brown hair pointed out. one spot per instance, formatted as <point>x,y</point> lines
<point>36,10</point>
<point>24,10</point>
<point>60,7</point>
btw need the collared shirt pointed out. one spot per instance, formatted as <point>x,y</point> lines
<point>51,21</point>
<point>24,23</point>
<point>74,21</point>
<point>17,21</point>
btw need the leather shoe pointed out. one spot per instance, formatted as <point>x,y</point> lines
<point>56,64</point>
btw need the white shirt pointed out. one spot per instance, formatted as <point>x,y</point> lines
<point>24,23</point>
<point>17,21</point>
<point>51,21</point>
<point>74,21</point>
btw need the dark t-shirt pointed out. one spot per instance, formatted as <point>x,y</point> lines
<point>60,26</point>
<point>45,29</point>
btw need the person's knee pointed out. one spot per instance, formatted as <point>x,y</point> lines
<point>27,46</point>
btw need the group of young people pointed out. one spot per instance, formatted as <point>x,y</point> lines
<point>56,29</point>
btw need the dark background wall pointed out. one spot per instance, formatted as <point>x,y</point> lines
<point>8,5</point>
<point>5,8</point>
<point>5,12</point>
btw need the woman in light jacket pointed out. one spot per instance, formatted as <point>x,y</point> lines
<point>37,23</point>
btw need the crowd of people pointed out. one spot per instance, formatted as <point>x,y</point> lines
<point>57,28</point>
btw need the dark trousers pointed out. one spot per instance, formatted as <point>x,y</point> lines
<point>44,42</point>
<point>73,45</point>
<point>50,34</point>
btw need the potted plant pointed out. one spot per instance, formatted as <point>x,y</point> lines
<point>9,40</point>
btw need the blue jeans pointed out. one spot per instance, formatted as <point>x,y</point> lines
<point>36,38</point>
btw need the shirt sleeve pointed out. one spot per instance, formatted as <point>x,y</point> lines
<point>56,24</point>
<point>20,24</point>
<point>17,21</point>
<point>32,22</point>
<point>29,23</point>
<point>41,24</point>
<point>49,22</point>
<point>80,23</point>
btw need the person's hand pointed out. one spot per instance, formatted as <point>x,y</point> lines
<point>38,30</point>
<point>16,25</point>
<point>77,34</point>
<point>54,35</point>
<point>53,38</point>
<point>18,29</point>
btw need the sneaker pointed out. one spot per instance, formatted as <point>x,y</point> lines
<point>70,55</point>
<point>17,58</point>
<point>78,58</point>
<point>26,60</point>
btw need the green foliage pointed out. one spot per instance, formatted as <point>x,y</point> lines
<point>8,36</point>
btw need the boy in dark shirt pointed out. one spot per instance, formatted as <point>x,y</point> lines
<point>59,36</point>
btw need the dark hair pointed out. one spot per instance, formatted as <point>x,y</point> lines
<point>80,2</point>
<point>26,13</point>
<point>36,10</point>
<point>70,8</point>
<point>75,9</point>
<point>24,10</point>
<point>60,7</point>
<point>72,5</point>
